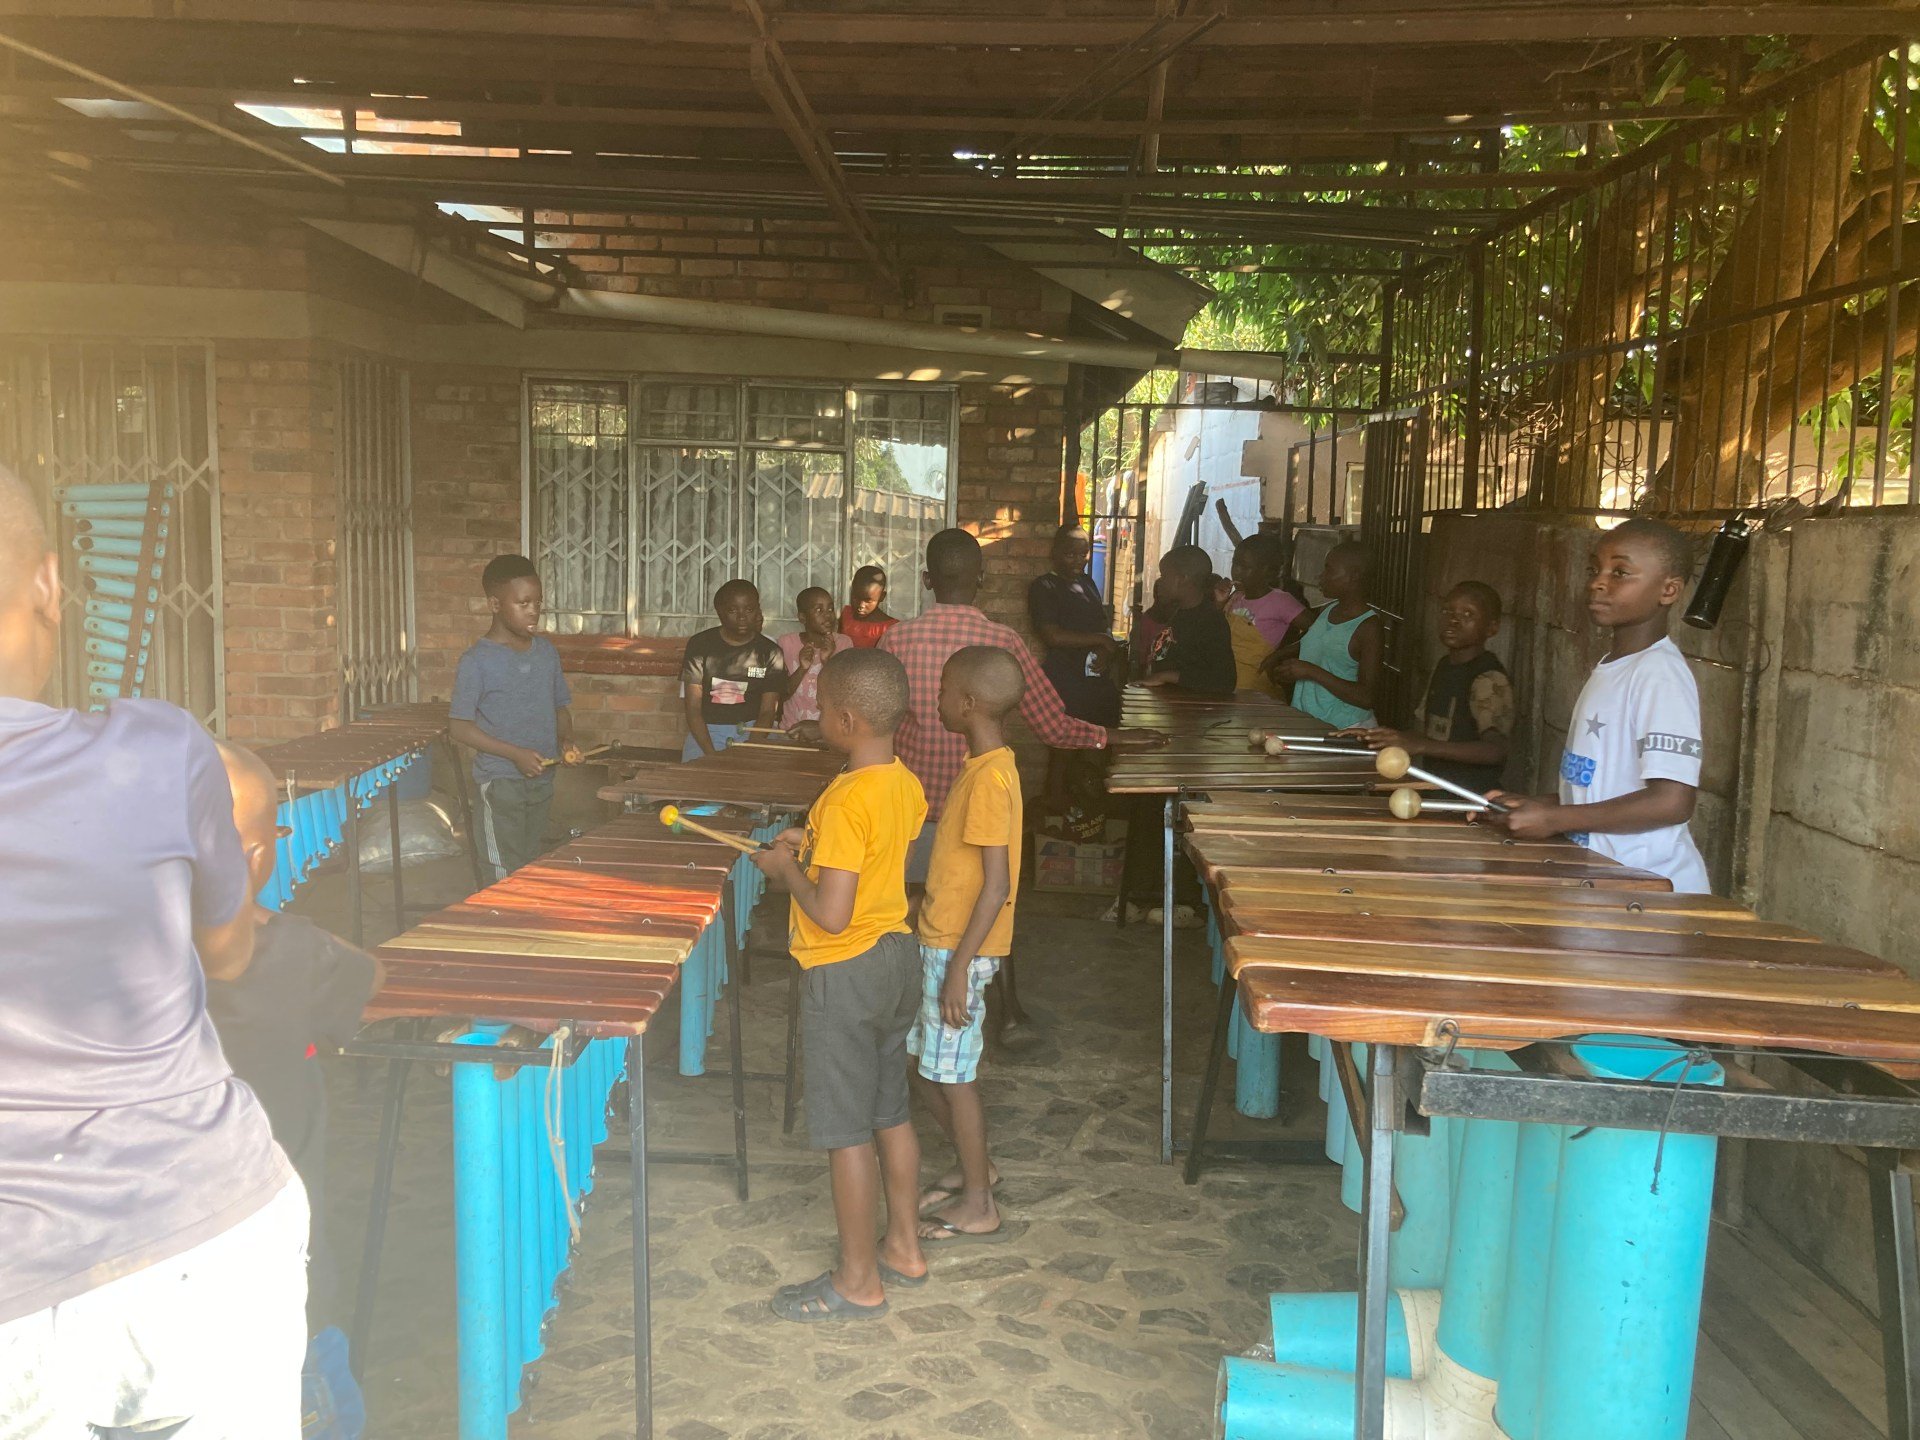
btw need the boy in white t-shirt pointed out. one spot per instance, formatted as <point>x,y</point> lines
<point>1631,769</point>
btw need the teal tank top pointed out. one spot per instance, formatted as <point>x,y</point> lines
<point>1330,647</point>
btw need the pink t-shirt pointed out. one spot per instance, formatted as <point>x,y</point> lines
<point>1271,614</point>
<point>804,703</point>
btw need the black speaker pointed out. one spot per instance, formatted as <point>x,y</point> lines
<point>1723,564</point>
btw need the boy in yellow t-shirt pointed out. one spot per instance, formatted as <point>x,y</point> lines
<point>848,929</point>
<point>966,929</point>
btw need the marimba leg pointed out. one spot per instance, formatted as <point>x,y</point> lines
<point>793,1050</point>
<point>1166,979</point>
<point>642,1264</point>
<point>1216,1057</point>
<point>393,858</point>
<point>1376,1225</point>
<point>377,1205</point>
<point>1899,1277</point>
<point>734,980</point>
<point>464,799</point>
<point>350,831</point>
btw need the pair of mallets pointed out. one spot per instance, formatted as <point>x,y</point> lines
<point>1391,763</point>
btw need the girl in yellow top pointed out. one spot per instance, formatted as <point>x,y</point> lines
<point>846,872</point>
<point>966,929</point>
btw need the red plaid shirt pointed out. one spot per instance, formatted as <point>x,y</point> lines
<point>932,752</point>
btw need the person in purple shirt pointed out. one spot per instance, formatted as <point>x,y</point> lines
<point>152,1234</point>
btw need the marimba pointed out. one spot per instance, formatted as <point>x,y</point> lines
<point>1208,752</point>
<point>120,537</point>
<point>329,778</point>
<point>1576,1039</point>
<point>556,973</point>
<point>773,782</point>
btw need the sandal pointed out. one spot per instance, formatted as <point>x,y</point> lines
<point>817,1300</point>
<point>945,1232</point>
<point>899,1279</point>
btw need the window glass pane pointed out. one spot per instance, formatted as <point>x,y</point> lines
<point>796,500</point>
<point>793,415</point>
<point>902,463</point>
<point>577,435</point>
<point>689,518</point>
<point>688,410</point>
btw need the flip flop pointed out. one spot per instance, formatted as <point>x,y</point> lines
<point>817,1301</point>
<point>947,1233</point>
<point>937,1195</point>
<point>900,1280</point>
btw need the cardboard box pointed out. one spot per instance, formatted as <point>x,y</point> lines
<point>1061,864</point>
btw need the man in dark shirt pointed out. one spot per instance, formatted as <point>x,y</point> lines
<point>732,675</point>
<point>1070,619</point>
<point>1195,651</point>
<point>302,995</point>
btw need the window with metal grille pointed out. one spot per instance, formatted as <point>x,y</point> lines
<point>377,652</point>
<point>644,496</point>
<point>112,413</point>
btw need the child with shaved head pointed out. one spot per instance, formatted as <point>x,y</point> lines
<point>966,929</point>
<point>860,987</point>
<point>301,996</point>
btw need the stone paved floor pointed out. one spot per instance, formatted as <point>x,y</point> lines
<point>1107,1315</point>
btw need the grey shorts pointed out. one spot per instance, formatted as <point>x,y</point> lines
<point>854,1018</point>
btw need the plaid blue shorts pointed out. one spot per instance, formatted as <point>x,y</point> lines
<point>949,1056</point>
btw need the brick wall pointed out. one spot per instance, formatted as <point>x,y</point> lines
<point>276,409</point>
<point>466,439</point>
<point>277,419</point>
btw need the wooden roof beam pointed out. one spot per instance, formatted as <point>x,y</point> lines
<point>1408,22</point>
<point>775,81</point>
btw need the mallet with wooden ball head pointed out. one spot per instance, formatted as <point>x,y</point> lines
<point>1394,763</point>
<point>1281,745</point>
<point>1407,804</point>
<point>671,817</point>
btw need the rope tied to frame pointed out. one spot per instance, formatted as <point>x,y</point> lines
<point>1688,1061</point>
<point>553,1117</point>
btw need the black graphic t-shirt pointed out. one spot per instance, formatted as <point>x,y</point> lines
<point>731,678</point>
<point>1466,702</point>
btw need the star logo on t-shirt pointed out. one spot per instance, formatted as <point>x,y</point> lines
<point>1595,725</point>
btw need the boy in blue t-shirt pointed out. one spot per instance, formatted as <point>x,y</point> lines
<point>510,708</point>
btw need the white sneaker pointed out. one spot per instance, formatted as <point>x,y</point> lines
<point>1185,917</point>
<point>1134,913</point>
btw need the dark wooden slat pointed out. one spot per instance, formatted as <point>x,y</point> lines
<point>1561,939</point>
<point>1248,909</point>
<point>1794,1387</point>
<point>1237,853</point>
<point>1391,1010</point>
<point>1605,895</point>
<point>1711,980</point>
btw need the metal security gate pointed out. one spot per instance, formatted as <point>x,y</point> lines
<point>109,413</point>
<point>377,641</point>
<point>1390,521</point>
